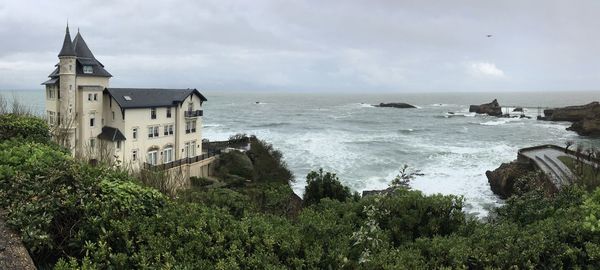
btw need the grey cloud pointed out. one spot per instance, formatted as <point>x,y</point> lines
<point>312,45</point>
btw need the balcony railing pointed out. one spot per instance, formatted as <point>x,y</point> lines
<point>182,161</point>
<point>195,113</point>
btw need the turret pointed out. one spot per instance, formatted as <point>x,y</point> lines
<point>67,73</point>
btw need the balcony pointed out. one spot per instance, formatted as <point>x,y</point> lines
<point>190,114</point>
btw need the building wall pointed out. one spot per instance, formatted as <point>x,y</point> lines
<point>140,119</point>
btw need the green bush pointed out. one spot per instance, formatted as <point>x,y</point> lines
<point>236,163</point>
<point>200,181</point>
<point>14,126</point>
<point>58,205</point>
<point>268,163</point>
<point>321,185</point>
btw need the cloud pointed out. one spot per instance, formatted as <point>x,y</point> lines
<point>485,70</point>
<point>304,45</point>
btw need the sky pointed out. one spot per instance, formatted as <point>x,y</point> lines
<point>313,46</point>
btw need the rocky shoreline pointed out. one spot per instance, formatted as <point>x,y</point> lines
<point>585,118</point>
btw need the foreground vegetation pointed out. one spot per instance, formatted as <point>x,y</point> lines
<point>74,216</point>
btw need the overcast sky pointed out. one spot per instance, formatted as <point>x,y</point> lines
<point>312,46</point>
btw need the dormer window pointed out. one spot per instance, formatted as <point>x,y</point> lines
<point>88,69</point>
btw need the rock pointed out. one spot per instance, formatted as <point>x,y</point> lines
<point>399,105</point>
<point>386,191</point>
<point>518,109</point>
<point>502,180</point>
<point>13,254</point>
<point>572,113</point>
<point>585,118</point>
<point>492,108</point>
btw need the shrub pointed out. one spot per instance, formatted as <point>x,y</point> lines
<point>236,163</point>
<point>14,126</point>
<point>200,181</point>
<point>321,185</point>
<point>268,163</point>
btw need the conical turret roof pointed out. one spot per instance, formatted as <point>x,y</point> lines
<point>67,47</point>
<point>81,48</point>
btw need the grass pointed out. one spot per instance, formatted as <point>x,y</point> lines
<point>586,175</point>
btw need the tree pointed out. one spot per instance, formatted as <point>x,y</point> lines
<point>568,144</point>
<point>403,179</point>
<point>321,185</point>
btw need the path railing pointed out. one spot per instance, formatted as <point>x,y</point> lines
<point>182,161</point>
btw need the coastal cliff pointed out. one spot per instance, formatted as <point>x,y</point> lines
<point>585,118</point>
<point>502,180</point>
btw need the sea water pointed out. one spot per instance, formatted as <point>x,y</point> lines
<point>366,145</point>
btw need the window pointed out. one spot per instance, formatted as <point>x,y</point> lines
<point>189,149</point>
<point>51,117</point>
<point>92,121</point>
<point>118,145</point>
<point>190,126</point>
<point>92,143</point>
<point>58,118</point>
<point>89,97</point>
<point>191,106</point>
<point>134,154</point>
<point>153,113</point>
<point>152,157</point>
<point>168,130</point>
<point>128,98</point>
<point>113,115</point>
<point>70,67</point>
<point>50,93</point>
<point>168,154</point>
<point>88,69</point>
<point>134,133</point>
<point>95,97</point>
<point>168,112</point>
<point>152,132</point>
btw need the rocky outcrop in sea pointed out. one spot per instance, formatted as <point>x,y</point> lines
<point>492,108</point>
<point>585,118</point>
<point>399,105</point>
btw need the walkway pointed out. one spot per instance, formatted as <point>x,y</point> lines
<point>546,159</point>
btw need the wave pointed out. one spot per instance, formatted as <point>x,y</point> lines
<point>500,122</point>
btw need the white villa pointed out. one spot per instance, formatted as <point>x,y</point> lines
<point>131,125</point>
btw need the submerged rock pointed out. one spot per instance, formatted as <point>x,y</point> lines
<point>492,108</point>
<point>399,105</point>
<point>585,118</point>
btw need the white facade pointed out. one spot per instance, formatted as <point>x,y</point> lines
<point>98,122</point>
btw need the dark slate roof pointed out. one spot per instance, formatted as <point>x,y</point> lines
<point>111,134</point>
<point>151,97</point>
<point>85,57</point>
<point>81,48</point>
<point>54,73</point>
<point>97,68</point>
<point>67,47</point>
<point>51,81</point>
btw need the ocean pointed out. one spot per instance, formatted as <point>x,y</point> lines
<point>366,145</point>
